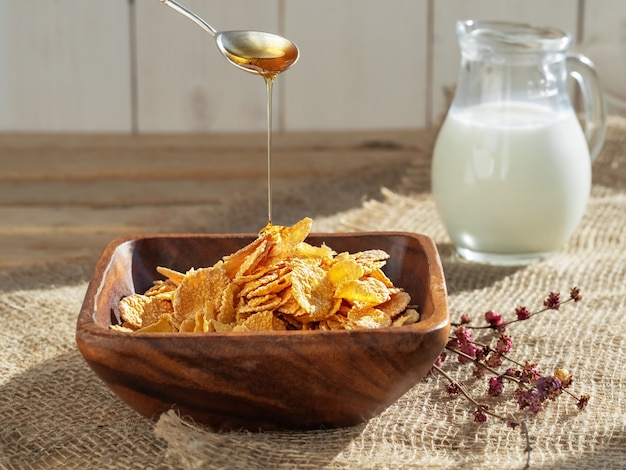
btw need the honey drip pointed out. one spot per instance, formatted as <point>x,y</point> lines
<point>267,60</point>
<point>269,81</point>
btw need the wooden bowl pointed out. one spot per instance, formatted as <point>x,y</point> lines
<point>261,381</point>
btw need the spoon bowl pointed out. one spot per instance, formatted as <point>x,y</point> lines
<point>258,52</point>
<point>266,54</point>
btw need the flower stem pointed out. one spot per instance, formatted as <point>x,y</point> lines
<point>481,364</point>
<point>486,410</point>
<point>480,406</point>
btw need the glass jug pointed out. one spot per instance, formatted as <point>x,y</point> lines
<point>511,171</point>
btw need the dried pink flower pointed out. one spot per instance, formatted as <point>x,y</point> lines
<point>462,334</point>
<point>530,373</point>
<point>496,386</point>
<point>529,398</point>
<point>494,359</point>
<point>510,372</point>
<point>522,313</point>
<point>504,344</point>
<point>553,302</point>
<point>548,387</point>
<point>465,344</point>
<point>582,402</point>
<point>479,416</point>
<point>495,320</point>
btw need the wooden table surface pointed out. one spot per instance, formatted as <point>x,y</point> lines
<point>66,196</point>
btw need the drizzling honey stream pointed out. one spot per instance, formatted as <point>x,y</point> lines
<point>277,57</point>
<point>257,52</point>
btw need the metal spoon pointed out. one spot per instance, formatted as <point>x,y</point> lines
<point>257,52</point>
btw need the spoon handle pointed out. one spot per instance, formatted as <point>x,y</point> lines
<point>191,15</point>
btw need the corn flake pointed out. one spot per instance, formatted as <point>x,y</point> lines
<point>344,271</point>
<point>366,292</point>
<point>312,289</point>
<point>139,310</point>
<point>368,317</point>
<point>200,292</point>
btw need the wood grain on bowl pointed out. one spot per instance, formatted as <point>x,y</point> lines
<point>269,380</point>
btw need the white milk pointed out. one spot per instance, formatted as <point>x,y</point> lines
<point>511,178</point>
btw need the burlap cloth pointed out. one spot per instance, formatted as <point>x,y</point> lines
<point>54,412</point>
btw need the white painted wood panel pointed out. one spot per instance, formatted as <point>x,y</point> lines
<point>363,64</point>
<point>604,42</point>
<point>137,65</point>
<point>64,65</point>
<point>446,55</point>
<point>183,83</point>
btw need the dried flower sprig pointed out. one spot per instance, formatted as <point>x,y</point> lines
<point>496,322</point>
<point>533,389</point>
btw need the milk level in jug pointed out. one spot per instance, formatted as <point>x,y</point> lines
<point>510,179</point>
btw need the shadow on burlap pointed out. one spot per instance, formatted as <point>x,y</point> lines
<point>56,413</point>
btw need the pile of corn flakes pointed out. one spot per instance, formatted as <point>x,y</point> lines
<point>277,282</point>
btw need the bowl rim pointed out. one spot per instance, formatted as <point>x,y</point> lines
<point>87,325</point>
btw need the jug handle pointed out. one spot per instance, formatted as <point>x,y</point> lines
<point>584,72</point>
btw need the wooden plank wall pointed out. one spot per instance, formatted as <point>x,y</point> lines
<point>137,66</point>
